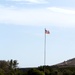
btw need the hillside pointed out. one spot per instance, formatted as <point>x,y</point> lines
<point>70,62</point>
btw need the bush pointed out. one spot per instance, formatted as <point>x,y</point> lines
<point>35,72</point>
<point>1,72</point>
<point>67,72</point>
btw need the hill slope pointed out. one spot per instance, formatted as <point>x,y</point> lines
<point>70,62</point>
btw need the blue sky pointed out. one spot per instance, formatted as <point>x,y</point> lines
<point>22,24</point>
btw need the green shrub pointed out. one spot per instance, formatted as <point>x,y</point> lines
<point>35,72</point>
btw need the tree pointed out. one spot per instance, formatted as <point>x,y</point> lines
<point>10,64</point>
<point>35,72</point>
<point>13,64</point>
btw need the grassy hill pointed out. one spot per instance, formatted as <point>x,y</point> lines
<point>70,62</point>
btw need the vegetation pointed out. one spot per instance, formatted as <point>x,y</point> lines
<point>51,70</point>
<point>11,68</point>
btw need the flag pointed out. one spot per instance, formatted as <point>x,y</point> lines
<point>47,31</point>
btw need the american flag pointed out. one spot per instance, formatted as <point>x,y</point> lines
<point>47,31</point>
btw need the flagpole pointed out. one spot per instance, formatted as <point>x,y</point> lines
<point>44,50</point>
<point>46,32</point>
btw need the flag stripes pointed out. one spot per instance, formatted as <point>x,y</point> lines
<point>47,31</point>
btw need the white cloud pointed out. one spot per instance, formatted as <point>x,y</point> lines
<point>37,17</point>
<point>30,1</point>
<point>61,10</point>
